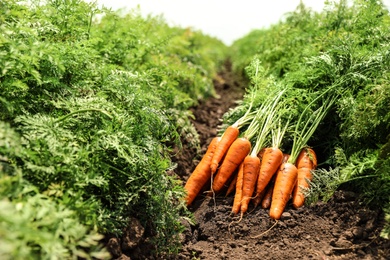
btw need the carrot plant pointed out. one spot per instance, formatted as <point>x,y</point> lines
<point>265,120</point>
<point>99,104</point>
<point>32,224</point>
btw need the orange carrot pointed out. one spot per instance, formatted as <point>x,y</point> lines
<point>201,173</point>
<point>229,136</point>
<point>272,159</point>
<point>285,181</point>
<point>258,196</point>
<point>267,198</point>
<point>306,162</point>
<point>251,172</point>
<point>234,156</point>
<point>232,185</point>
<point>238,195</point>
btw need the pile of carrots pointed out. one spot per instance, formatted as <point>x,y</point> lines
<point>255,168</point>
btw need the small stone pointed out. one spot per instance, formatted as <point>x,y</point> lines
<point>286,215</point>
<point>343,243</point>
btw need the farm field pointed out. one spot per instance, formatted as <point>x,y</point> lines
<point>120,135</point>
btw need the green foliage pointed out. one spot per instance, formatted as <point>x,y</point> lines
<point>32,225</point>
<point>55,231</point>
<point>94,106</point>
<point>343,50</point>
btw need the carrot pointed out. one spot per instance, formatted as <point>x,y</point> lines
<point>285,181</point>
<point>238,195</point>
<point>306,162</point>
<point>287,175</point>
<point>229,136</point>
<point>267,198</point>
<point>266,194</point>
<point>272,159</point>
<point>232,185</point>
<point>201,173</point>
<point>234,156</point>
<point>252,161</point>
<point>251,172</point>
<point>258,196</point>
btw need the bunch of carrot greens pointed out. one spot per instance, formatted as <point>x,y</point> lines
<point>249,160</point>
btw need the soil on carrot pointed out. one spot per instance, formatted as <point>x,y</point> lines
<point>342,228</point>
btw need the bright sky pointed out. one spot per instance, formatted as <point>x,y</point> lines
<point>226,20</point>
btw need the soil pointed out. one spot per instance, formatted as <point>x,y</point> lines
<point>342,228</point>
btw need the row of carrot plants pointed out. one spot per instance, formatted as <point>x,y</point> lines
<point>247,157</point>
<point>92,103</point>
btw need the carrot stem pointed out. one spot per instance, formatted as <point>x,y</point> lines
<point>302,136</point>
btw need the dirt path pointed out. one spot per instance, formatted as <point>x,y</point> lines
<point>339,229</point>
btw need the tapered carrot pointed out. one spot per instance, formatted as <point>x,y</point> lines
<point>272,159</point>
<point>234,156</point>
<point>258,196</point>
<point>266,194</point>
<point>267,198</point>
<point>201,173</point>
<point>284,185</point>
<point>306,162</point>
<point>229,136</point>
<point>238,195</point>
<point>251,172</point>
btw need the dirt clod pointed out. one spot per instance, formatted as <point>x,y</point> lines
<point>132,235</point>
